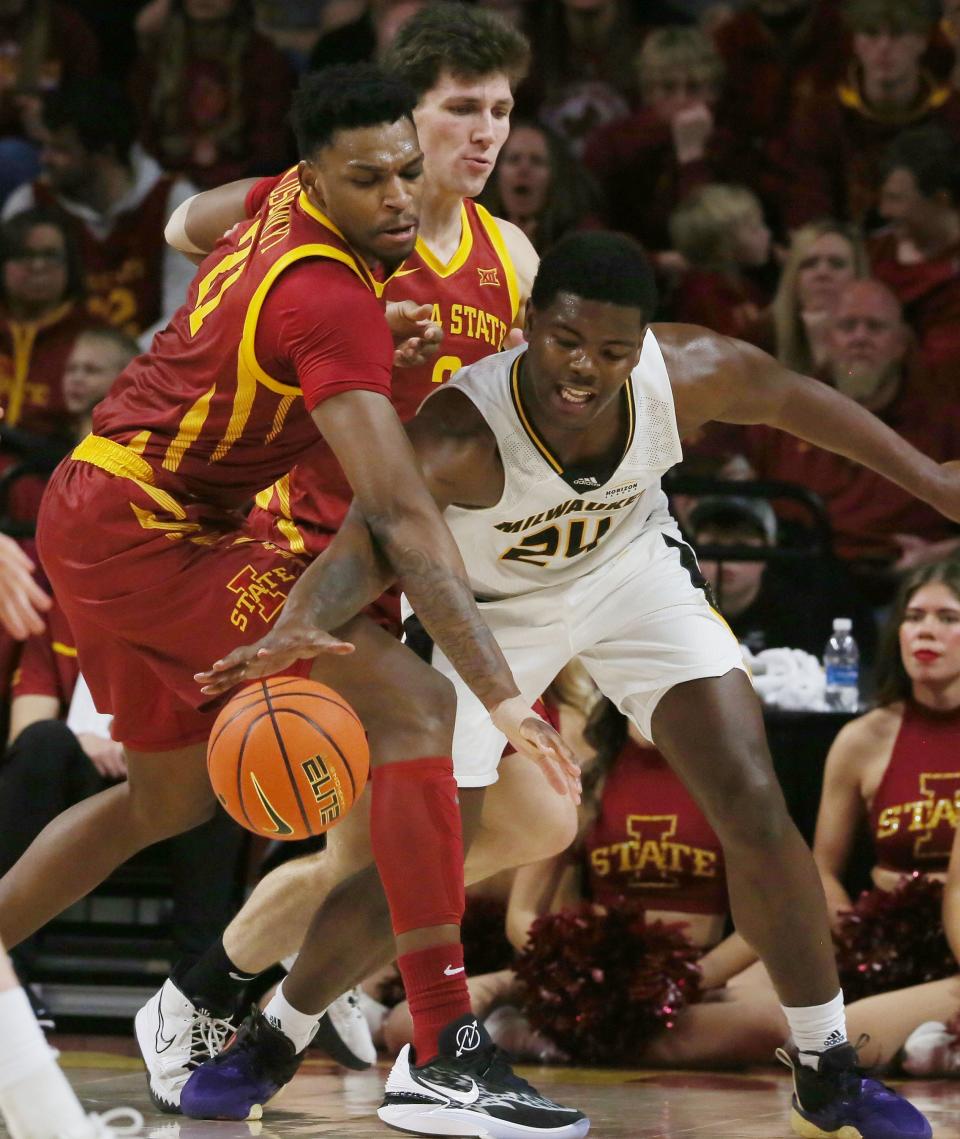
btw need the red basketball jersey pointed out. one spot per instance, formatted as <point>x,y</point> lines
<point>201,410</point>
<point>475,300</point>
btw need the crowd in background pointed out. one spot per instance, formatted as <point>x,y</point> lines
<point>792,168</point>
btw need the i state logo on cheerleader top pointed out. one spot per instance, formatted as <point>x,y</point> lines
<point>546,530</point>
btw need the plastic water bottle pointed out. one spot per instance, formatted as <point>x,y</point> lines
<point>841,661</point>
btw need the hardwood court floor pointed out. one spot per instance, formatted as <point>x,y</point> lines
<point>325,1101</point>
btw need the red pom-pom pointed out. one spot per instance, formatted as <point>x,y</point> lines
<point>892,939</point>
<point>600,984</point>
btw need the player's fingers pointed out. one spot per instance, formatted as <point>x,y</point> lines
<point>13,622</point>
<point>412,311</point>
<point>27,619</point>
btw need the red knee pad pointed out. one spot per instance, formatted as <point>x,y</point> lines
<point>418,842</point>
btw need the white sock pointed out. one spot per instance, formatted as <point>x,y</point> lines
<point>36,1100</point>
<point>816,1028</point>
<point>300,1027</point>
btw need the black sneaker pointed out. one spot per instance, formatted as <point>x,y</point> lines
<point>247,1074</point>
<point>839,1099</point>
<point>470,1089</point>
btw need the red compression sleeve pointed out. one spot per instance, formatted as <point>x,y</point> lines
<point>417,842</point>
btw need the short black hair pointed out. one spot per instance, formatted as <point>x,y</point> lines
<point>930,154</point>
<point>99,111</point>
<point>346,96</point>
<point>466,41</point>
<point>598,266</point>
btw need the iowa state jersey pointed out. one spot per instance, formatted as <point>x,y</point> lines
<point>201,409</point>
<point>475,300</point>
<point>543,531</point>
<point>651,841</point>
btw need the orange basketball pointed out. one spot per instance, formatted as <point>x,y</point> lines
<point>287,757</point>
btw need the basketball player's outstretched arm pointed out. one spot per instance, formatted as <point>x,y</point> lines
<point>405,532</point>
<point>716,378</point>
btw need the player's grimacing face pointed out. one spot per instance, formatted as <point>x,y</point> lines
<point>462,124</point>
<point>369,181</point>
<point>580,354</point>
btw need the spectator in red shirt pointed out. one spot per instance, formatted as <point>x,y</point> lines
<point>868,347</point>
<point>42,43</point>
<point>115,200</point>
<point>918,256</point>
<point>838,143</point>
<point>779,55</point>
<point>824,256</point>
<point>651,160</point>
<point>721,233</point>
<point>214,94</point>
<point>41,314</point>
<point>540,187</point>
<point>582,72</point>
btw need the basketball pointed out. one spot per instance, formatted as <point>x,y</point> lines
<point>287,757</point>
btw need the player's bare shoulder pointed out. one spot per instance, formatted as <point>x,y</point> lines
<point>457,449</point>
<point>523,255</point>
<point>708,372</point>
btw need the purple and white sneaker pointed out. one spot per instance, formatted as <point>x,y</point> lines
<point>245,1076</point>
<point>838,1099</point>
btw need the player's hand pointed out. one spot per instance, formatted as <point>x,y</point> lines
<point>278,650</point>
<point>534,738</point>
<point>415,336</point>
<point>107,756</point>
<point>22,601</point>
<point>513,339</point>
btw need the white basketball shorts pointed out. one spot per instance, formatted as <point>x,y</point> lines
<point>639,625</point>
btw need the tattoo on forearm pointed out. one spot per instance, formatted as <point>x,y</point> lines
<point>445,604</point>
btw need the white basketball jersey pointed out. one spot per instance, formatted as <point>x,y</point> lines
<point>544,531</point>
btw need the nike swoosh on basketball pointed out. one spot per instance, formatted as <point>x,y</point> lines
<point>453,972</point>
<point>161,1039</point>
<point>449,1093</point>
<point>281,826</point>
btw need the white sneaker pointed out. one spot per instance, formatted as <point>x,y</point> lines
<point>469,1088</point>
<point>175,1037</point>
<point>105,1126</point>
<point>345,1035</point>
<point>931,1051</point>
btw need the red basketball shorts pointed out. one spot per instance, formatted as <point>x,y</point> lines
<point>155,590</point>
<point>287,534</point>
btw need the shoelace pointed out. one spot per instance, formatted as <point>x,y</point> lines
<point>500,1068</point>
<point>209,1037</point>
<point>106,1125</point>
<point>848,1079</point>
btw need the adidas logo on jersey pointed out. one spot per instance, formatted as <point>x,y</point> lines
<point>585,481</point>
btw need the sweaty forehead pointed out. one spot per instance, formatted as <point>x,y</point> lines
<point>385,144</point>
<point>601,319</point>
